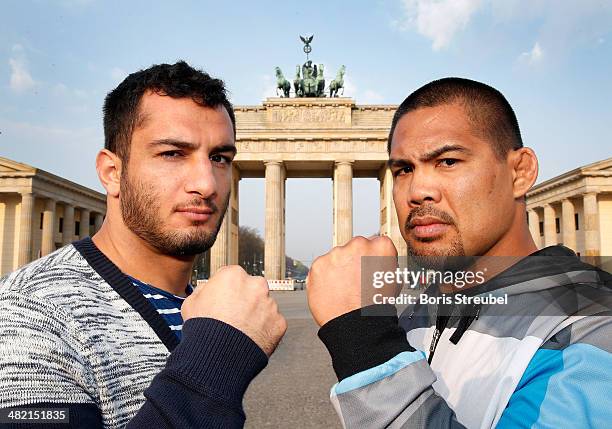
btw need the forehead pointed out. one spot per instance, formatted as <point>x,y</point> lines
<point>159,112</point>
<point>428,127</point>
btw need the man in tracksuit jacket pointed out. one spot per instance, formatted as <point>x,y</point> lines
<point>542,358</point>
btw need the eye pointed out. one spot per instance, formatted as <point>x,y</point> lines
<point>171,154</point>
<point>448,162</point>
<point>402,171</point>
<point>220,159</point>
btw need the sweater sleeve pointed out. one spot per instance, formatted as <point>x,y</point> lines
<point>202,384</point>
<point>204,380</point>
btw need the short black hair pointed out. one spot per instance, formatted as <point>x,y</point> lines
<point>178,80</point>
<point>487,108</point>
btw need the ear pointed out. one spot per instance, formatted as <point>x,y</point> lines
<point>109,166</point>
<point>524,165</point>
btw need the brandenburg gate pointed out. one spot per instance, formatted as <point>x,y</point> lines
<point>309,135</point>
<point>307,138</point>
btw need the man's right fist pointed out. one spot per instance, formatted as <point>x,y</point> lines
<point>242,301</point>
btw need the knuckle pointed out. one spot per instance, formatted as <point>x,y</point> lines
<point>235,269</point>
<point>222,269</point>
<point>386,244</point>
<point>358,240</point>
<point>229,271</point>
<point>259,284</point>
<point>316,264</point>
<point>281,324</point>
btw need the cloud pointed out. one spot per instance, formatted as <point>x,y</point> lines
<point>269,86</point>
<point>79,93</point>
<point>118,74</point>
<point>559,26</point>
<point>59,89</point>
<point>534,56</point>
<point>438,20</point>
<point>21,80</point>
<point>371,97</point>
<point>350,89</point>
<point>76,3</point>
<point>66,151</point>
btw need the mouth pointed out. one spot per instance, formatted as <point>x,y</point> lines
<point>428,227</point>
<point>197,214</point>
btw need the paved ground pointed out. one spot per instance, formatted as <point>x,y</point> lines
<point>293,390</point>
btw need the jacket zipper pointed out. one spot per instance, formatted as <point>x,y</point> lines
<point>434,344</point>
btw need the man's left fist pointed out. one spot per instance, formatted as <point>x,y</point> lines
<point>334,285</point>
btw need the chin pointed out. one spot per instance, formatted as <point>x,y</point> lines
<point>436,254</point>
<point>429,248</point>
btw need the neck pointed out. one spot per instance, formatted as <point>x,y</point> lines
<point>517,241</point>
<point>515,245</point>
<point>137,258</point>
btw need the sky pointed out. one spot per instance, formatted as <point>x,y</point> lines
<point>552,59</point>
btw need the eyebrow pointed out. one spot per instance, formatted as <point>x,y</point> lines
<point>225,148</point>
<point>181,144</point>
<point>429,156</point>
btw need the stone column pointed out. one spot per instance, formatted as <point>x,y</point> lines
<point>283,228</point>
<point>84,224</point>
<point>389,224</point>
<point>48,232</point>
<point>550,230</point>
<point>568,224</point>
<point>274,220</point>
<point>591,224</point>
<point>234,205</point>
<point>534,227</point>
<point>98,221</point>
<point>25,229</point>
<point>219,252</point>
<point>343,202</point>
<point>68,226</point>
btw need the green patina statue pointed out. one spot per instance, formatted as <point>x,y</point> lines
<point>337,83</point>
<point>309,80</point>
<point>282,83</point>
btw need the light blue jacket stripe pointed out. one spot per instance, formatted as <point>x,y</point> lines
<point>372,375</point>
<point>562,388</point>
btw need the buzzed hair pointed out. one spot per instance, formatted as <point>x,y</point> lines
<point>488,110</point>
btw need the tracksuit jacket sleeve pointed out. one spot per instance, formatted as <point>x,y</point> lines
<point>202,384</point>
<point>383,382</point>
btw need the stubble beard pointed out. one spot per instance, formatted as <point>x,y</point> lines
<point>140,210</point>
<point>451,257</point>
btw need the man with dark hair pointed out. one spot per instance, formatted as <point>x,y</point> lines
<point>528,346</point>
<point>108,330</point>
<point>487,109</point>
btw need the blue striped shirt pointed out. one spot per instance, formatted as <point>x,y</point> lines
<point>167,305</point>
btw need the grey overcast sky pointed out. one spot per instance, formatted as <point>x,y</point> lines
<point>551,59</point>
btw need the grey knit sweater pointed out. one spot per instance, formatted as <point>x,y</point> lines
<point>72,334</point>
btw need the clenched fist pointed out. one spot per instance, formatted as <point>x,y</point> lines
<point>334,284</point>
<point>242,301</point>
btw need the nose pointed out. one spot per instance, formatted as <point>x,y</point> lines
<point>201,179</point>
<point>423,188</point>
